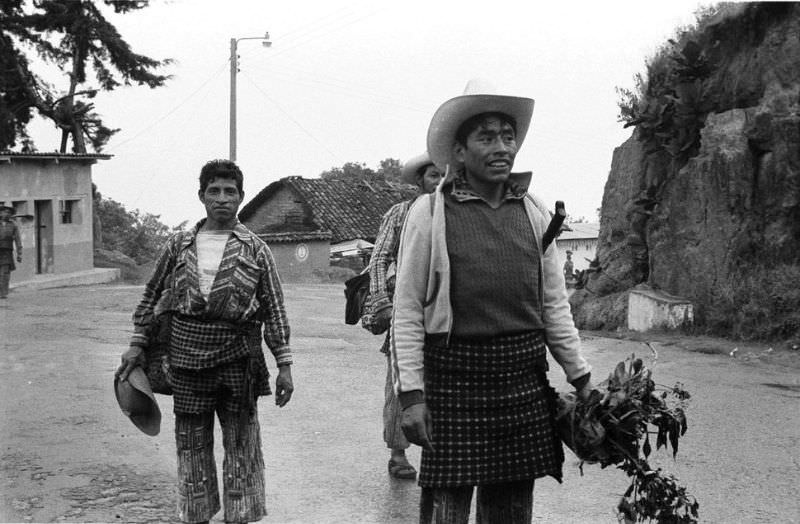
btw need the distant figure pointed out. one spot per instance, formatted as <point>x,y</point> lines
<point>9,239</point>
<point>420,171</point>
<point>569,268</point>
<point>220,282</point>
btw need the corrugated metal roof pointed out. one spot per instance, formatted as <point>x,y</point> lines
<point>8,156</point>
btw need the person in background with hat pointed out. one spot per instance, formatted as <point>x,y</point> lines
<point>476,305</point>
<point>420,171</point>
<point>569,267</point>
<point>9,239</point>
<point>220,282</point>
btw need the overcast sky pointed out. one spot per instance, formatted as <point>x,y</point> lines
<point>358,81</point>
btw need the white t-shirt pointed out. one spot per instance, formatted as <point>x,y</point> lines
<point>210,248</point>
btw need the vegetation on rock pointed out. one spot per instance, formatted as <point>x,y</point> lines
<point>704,201</point>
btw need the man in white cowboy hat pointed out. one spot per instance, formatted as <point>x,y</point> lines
<point>9,239</point>
<point>420,171</point>
<point>477,304</point>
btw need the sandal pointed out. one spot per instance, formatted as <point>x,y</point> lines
<point>401,470</point>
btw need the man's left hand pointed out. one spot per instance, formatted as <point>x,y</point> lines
<point>586,390</point>
<point>283,386</point>
<point>19,258</point>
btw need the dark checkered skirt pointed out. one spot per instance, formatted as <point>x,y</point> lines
<point>220,387</point>
<point>492,409</point>
<point>215,365</point>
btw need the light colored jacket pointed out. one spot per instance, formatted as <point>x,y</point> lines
<point>422,294</point>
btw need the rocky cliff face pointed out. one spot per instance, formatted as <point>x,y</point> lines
<point>701,222</point>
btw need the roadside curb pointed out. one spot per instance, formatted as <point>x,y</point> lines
<point>79,278</point>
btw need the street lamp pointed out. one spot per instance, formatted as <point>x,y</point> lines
<point>235,69</point>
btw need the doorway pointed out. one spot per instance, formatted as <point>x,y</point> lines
<point>44,236</point>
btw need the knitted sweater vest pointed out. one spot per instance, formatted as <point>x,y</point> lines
<point>494,263</point>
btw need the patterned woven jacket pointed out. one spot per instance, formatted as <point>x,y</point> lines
<point>246,292</point>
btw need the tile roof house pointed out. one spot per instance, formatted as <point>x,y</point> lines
<point>303,219</point>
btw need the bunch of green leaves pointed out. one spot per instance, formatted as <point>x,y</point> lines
<point>613,427</point>
<point>669,108</point>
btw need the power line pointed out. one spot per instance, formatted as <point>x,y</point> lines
<point>301,43</point>
<point>175,108</point>
<point>290,117</point>
<point>309,30</point>
<point>350,87</point>
<point>350,92</point>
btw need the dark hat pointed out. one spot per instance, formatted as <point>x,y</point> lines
<point>137,401</point>
<point>569,252</point>
<point>6,208</point>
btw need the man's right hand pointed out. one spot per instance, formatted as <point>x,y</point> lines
<point>416,424</point>
<point>382,320</point>
<point>130,359</point>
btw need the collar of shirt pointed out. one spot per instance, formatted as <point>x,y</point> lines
<point>461,190</point>
<point>239,231</point>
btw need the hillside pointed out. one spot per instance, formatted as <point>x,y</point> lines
<point>703,201</point>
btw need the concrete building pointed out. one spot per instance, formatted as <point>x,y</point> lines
<point>303,220</point>
<point>51,194</point>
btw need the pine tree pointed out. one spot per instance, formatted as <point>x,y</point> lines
<point>76,36</point>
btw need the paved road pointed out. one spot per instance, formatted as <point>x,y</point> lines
<point>69,455</point>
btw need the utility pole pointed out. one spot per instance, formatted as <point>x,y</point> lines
<point>234,70</point>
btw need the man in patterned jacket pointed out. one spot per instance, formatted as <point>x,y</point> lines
<point>421,172</point>
<point>220,283</point>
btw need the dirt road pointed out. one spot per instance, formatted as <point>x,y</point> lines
<point>69,455</point>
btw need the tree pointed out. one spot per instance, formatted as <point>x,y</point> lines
<point>134,233</point>
<point>388,170</point>
<point>15,111</point>
<point>74,35</point>
<point>349,171</point>
<point>576,220</point>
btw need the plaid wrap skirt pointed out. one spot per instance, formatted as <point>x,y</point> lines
<point>219,388</point>
<point>493,412</point>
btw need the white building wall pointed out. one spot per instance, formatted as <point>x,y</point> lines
<point>23,182</point>
<point>583,251</point>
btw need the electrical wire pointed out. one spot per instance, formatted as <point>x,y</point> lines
<point>174,109</point>
<point>349,92</point>
<point>282,51</point>
<point>347,87</point>
<point>290,117</point>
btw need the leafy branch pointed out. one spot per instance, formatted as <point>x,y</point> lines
<point>613,427</point>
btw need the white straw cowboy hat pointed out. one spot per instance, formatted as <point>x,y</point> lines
<point>410,169</point>
<point>137,401</point>
<point>479,97</point>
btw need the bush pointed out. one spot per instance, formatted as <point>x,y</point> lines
<point>134,233</point>
<point>756,303</point>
